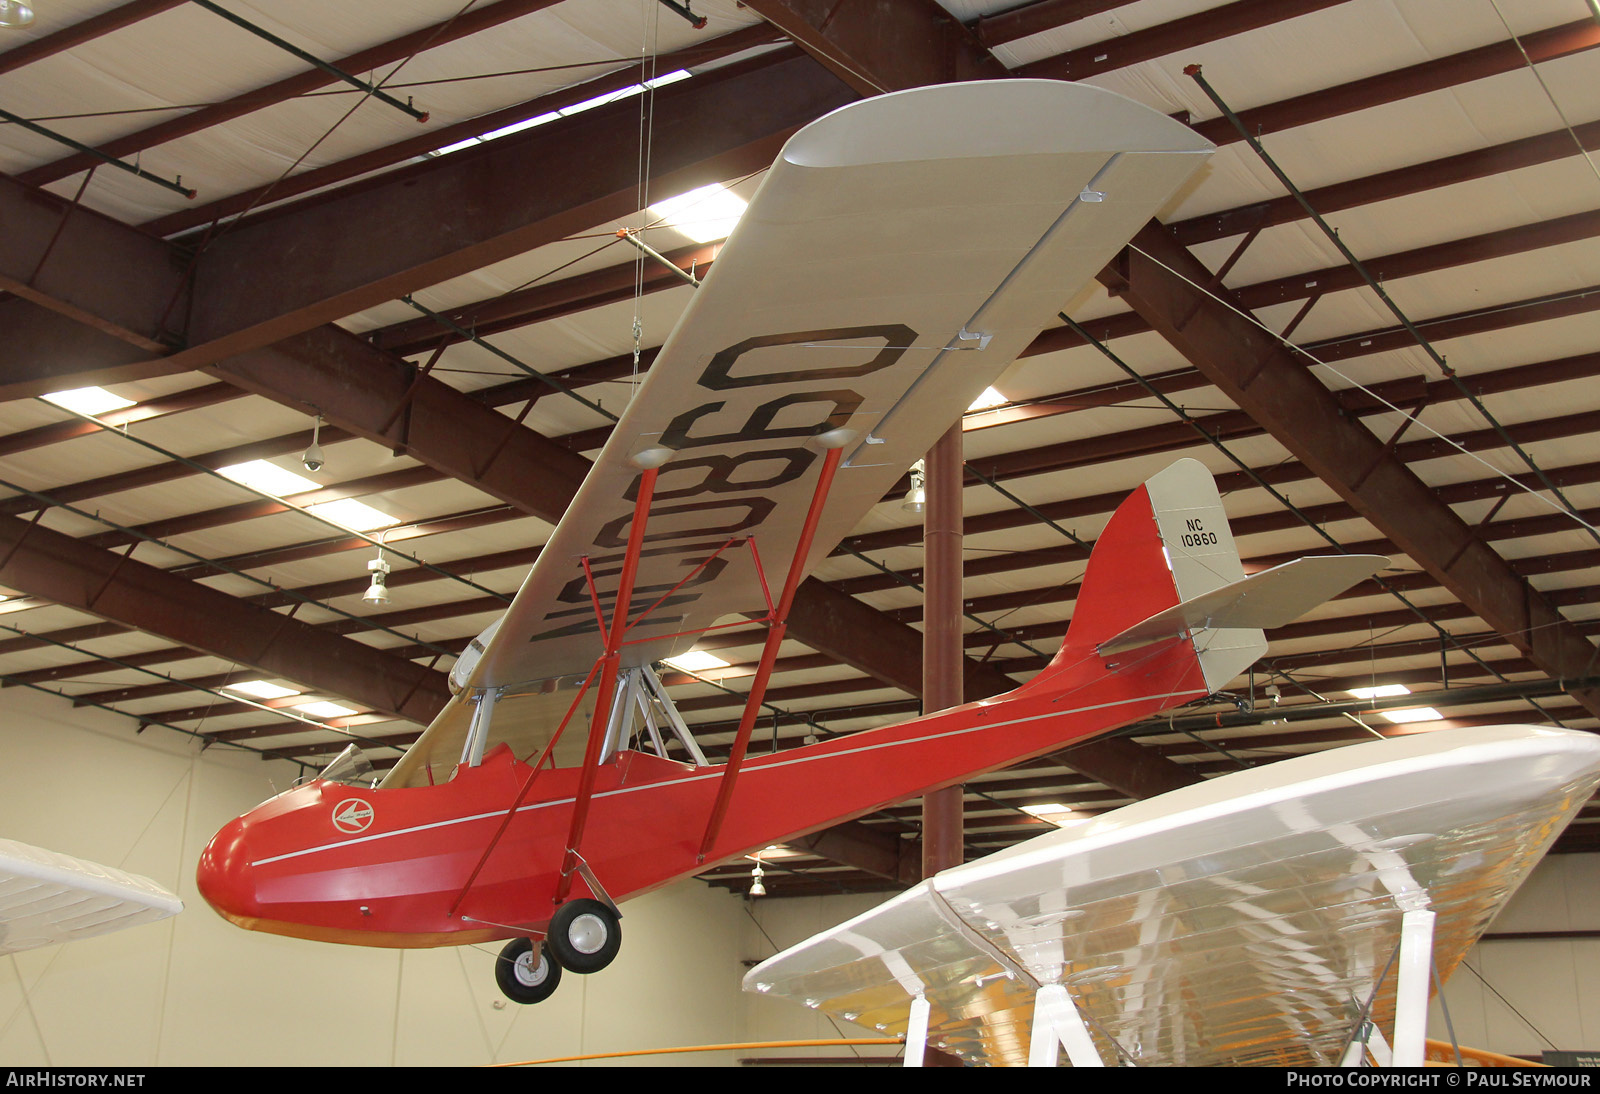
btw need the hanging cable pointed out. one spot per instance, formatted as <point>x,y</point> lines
<point>1277,495</point>
<point>1449,373</point>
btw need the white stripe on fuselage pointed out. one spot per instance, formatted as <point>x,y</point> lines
<point>767,764</point>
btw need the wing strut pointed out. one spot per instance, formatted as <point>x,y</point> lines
<point>834,442</point>
<point>609,665</point>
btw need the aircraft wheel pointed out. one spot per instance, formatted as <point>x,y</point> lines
<point>584,935</point>
<point>525,972</point>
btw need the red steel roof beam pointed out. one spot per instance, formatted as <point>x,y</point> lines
<point>1262,378</point>
<point>421,144</point>
<point>46,563</point>
<point>1158,41</point>
<point>85,30</point>
<point>396,49</point>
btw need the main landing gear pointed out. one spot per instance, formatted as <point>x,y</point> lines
<point>584,936</point>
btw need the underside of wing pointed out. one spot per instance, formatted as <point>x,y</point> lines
<point>1246,920</point>
<point>48,898</point>
<point>896,259</point>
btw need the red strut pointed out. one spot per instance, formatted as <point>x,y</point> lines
<point>769,652</point>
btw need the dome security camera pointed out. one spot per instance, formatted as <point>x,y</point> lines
<point>312,459</point>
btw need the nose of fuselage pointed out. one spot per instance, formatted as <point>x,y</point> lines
<point>223,875</point>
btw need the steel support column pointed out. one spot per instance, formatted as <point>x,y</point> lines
<point>942,654</point>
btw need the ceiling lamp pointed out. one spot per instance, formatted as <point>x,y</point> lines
<point>917,496</point>
<point>14,13</point>
<point>378,591</point>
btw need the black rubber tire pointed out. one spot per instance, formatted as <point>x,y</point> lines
<point>526,972</point>
<point>585,935</point>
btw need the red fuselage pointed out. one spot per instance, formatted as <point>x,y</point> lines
<point>408,867</point>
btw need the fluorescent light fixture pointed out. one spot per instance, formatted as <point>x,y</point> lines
<point>1412,714</point>
<point>353,514</point>
<point>695,661</point>
<point>776,851</point>
<point>325,709</point>
<point>87,400</point>
<point>704,215</point>
<point>517,127</point>
<point>262,689</point>
<point>1382,691</point>
<point>268,478</point>
<point>1060,815</point>
<point>987,401</point>
<point>552,115</point>
<point>456,147</point>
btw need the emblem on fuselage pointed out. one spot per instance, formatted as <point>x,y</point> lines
<point>352,815</point>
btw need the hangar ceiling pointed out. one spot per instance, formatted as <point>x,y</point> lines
<point>402,245</point>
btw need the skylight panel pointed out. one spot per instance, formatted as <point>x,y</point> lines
<point>1056,813</point>
<point>1412,714</point>
<point>268,478</point>
<point>87,400</point>
<point>262,689</point>
<point>987,401</point>
<point>1381,691</point>
<point>325,709</point>
<point>704,215</point>
<point>356,515</point>
<point>695,661</point>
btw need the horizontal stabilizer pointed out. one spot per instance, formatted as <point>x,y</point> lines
<point>1262,601</point>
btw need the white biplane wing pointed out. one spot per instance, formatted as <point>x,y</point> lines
<point>47,898</point>
<point>1245,920</point>
<point>898,256</point>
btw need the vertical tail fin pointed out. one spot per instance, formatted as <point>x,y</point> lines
<point>1166,568</point>
<point>1168,543</point>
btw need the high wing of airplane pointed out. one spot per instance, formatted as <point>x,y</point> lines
<point>896,259</point>
<point>1281,915</point>
<point>47,898</point>
<point>898,256</point>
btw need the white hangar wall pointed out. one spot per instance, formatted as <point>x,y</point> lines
<point>1524,996</point>
<point>195,990</point>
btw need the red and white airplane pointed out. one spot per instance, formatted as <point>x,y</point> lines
<point>897,258</point>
